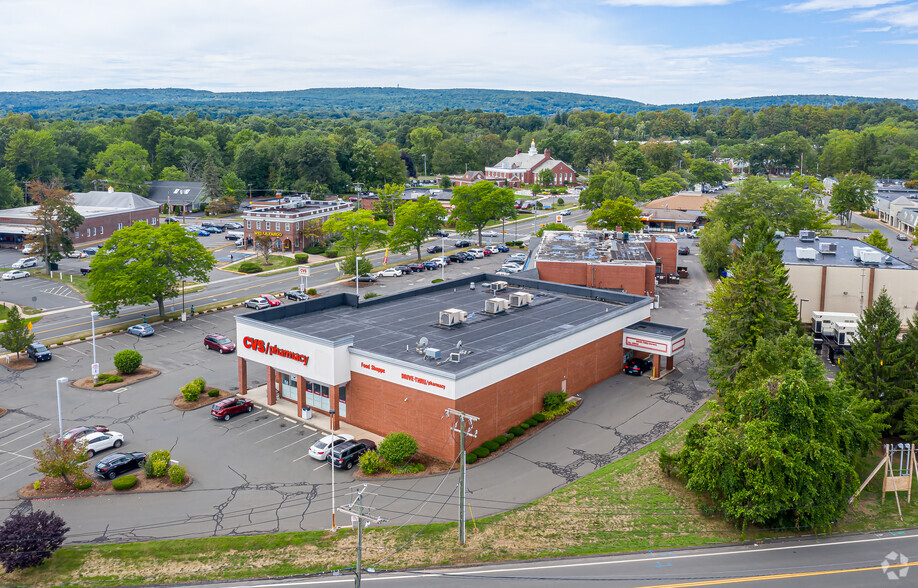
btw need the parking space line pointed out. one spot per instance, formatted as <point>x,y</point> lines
<point>321,466</point>
<point>289,420</point>
<point>26,435</point>
<point>288,445</point>
<point>273,413</point>
<point>310,428</point>
<point>16,472</point>
<point>261,425</point>
<point>301,457</point>
<point>15,427</point>
<point>73,348</point>
<point>287,430</point>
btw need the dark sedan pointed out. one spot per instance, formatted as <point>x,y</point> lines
<point>456,258</point>
<point>434,249</point>
<point>463,243</point>
<point>636,366</point>
<point>466,256</point>
<point>296,295</point>
<point>684,250</point>
<point>404,269</point>
<point>116,464</point>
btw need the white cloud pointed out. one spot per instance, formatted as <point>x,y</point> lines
<point>875,30</point>
<point>668,3</point>
<point>902,16</point>
<point>835,5</point>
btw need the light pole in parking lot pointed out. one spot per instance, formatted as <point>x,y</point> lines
<point>60,419</point>
<point>95,366</point>
<point>183,301</point>
<point>331,462</point>
<point>442,258</point>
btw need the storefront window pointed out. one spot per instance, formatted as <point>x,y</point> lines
<point>288,387</point>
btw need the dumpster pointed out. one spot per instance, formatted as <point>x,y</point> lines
<point>682,271</point>
<point>673,279</point>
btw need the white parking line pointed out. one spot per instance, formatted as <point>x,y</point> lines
<point>25,435</point>
<point>286,430</point>
<point>272,413</point>
<point>73,348</point>
<point>310,428</point>
<point>15,427</point>
<point>288,445</point>
<point>16,472</point>
<point>321,466</point>
<point>290,420</point>
<point>261,425</point>
<point>301,457</point>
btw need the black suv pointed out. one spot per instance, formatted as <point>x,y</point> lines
<point>347,454</point>
<point>296,295</point>
<point>38,352</point>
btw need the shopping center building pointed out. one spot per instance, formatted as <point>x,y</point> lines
<point>486,345</point>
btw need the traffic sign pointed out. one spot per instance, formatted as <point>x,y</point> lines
<point>30,326</point>
<point>304,272</point>
<point>95,369</point>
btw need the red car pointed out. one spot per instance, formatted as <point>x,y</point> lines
<point>220,343</point>
<point>272,300</point>
<point>80,432</point>
<point>226,409</point>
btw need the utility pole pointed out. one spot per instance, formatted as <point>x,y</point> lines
<point>355,509</point>
<point>463,429</point>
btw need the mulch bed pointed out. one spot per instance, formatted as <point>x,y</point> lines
<point>2,411</point>
<point>144,372</point>
<point>53,487</point>
<point>23,363</point>
<point>203,400</point>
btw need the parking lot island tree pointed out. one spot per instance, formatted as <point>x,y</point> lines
<point>476,205</point>
<point>415,223</point>
<point>15,335</point>
<point>58,459</point>
<point>55,221</point>
<point>141,264</point>
<point>878,240</point>
<point>357,231</point>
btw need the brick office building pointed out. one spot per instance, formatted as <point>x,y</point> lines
<point>598,259</point>
<point>283,221</point>
<point>103,214</point>
<point>519,169</point>
<point>395,363</point>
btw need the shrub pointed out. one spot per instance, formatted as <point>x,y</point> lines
<point>190,392</point>
<point>553,400</point>
<point>369,295</point>
<point>414,468</point>
<point>82,484</point>
<point>491,445</point>
<point>30,539</point>
<point>127,361</point>
<point>508,435</point>
<point>482,452</point>
<point>300,257</point>
<point>311,292</point>
<point>436,281</point>
<point>370,462</point>
<point>524,425</point>
<point>470,458</point>
<point>539,417</point>
<point>315,249</point>
<point>124,482</point>
<point>397,447</point>
<point>501,439</point>
<point>516,431</point>
<point>37,485</point>
<point>213,392</point>
<point>248,267</point>
<point>560,201</point>
<point>177,474</point>
<point>331,253</point>
<point>157,463</point>
<point>531,422</point>
<point>108,379</point>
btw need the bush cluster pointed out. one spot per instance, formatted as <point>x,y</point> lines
<point>177,474</point>
<point>108,379</point>
<point>312,292</point>
<point>30,539</point>
<point>514,243</point>
<point>82,484</point>
<point>315,249</point>
<point>539,417</point>
<point>193,389</point>
<point>369,295</point>
<point>157,463</point>
<point>531,422</point>
<point>491,445</point>
<point>248,267</point>
<point>331,253</point>
<point>213,393</point>
<point>560,411</point>
<point>501,439</point>
<point>524,425</point>
<point>127,361</point>
<point>516,431</point>
<point>124,482</point>
<point>397,448</point>
<point>553,400</point>
<point>370,462</point>
<point>481,452</point>
<point>470,458</point>
<point>300,257</point>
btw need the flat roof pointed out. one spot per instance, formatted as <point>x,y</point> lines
<point>843,256</point>
<point>658,329</point>
<point>391,326</point>
<point>592,246</point>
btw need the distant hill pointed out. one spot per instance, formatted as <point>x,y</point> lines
<point>373,102</point>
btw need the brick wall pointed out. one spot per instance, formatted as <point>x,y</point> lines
<point>668,250</point>
<point>634,279</point>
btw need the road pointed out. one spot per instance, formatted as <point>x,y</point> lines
<point>850,561</point>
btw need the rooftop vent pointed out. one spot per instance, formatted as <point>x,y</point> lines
<point>827,248</point>
<point>499,285</point>
<point>807,236</point>
<point>871,256</point>
<point>520,299</point>
<point>496,305</point>
<point>806,253</point>
<point>452,316</point>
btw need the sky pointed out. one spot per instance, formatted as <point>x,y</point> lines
<point>654,51</point>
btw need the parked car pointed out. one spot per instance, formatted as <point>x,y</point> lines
<point>684,250</point>
<point>491,250</point>
<point>440,261</point>
<point>225,409</point>
<point>272,300</point>
<point>85,271</point>
<point>389,272</point>
<point>29,248</point>
<point>257,303</point>
<point>296,295</point>
<point>417,267</point>
<point>347,454</point>
<point>15,275</point>
<point>434,249</point>
<point>239,242</point>
<point>636,366</point>
<point>463,243</point>
<point>233,225</point>
<point>478,253</point>
<point>203,233</point>
<point>141,330</point>
<point>112,466</point>
<point>96,442</point>
<point>25,262</point>
<point>91,250</point>
<point>404,269</point>
<point>320,448</point>
<point>465,255</point>
<point>441,233</point>
<point>220,343</point>
<point>77,255</point>
<point>456,258</point>
<point>366,278</point>
<point>502,248</point>
<point>170,219</point>
<point>431,265</point>
<point>80,432</point>
<point>38,352</point>
<point>511,268</point>
<point>901,237</point>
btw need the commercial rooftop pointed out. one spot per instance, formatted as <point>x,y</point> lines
<point>391,327</point>
<point>843,256</point>
<point>89,204</point>
<point>658,329</point>
<point>597,247</point>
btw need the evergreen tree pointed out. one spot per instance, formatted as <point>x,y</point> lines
<point>909,350</point>
<point>213,189</point>
<point>16,335</point>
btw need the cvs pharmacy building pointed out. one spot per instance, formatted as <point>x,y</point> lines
<point>488,346</point>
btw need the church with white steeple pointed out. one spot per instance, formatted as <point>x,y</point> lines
<point>521,168</point>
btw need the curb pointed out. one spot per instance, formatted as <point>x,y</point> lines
<point>97,494</point>
<point>213,400</point>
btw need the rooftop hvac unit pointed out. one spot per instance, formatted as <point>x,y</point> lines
<point>431,353</point>
<point>496,305</point>
<point>807,236</point>
<point>499,285</point>
<point>452,316</point>
<point>871,256</point>
<point>520,299</point>
<point>827,248</point>
<point>806,253</point>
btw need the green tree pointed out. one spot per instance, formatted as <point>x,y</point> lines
<point>415,223</point>
<point>476,205</point>
<point>617,213</point>
<point>172,174</point>
<point>55,221</point>
<point>708,172</point>
<point>716,248</point>
<point>552,227</point>
<point>445,182</point>
<point>877,239</point>
<point>909,353</point>
<point>357,231</point>
<point>609,185</point>
<point>451,156</point>
<point>15,334</point>
<point>875,366</point>
<point>390,199</point>
<point>593,144</point>
<point>546,178</point>
<point>390,167</point>
<point>10,193</point>
<point>141,264</point>
<point>264,245</point>
<point>30,153</point>
<point>660,187</point>
<point>57,459</point>
<point>125,166</point>
<point>424,141</point>
<point>809,184</point>
<point>213,189</point>
<point>852,193</point>
<point>232,186</point>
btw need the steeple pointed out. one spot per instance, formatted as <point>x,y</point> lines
<point>532,148</point>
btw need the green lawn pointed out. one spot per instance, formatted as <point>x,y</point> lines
<point>80,282</point>
<point>274,261</point>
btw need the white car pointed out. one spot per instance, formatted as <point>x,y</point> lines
<point>565,212</point>
<point>77,254</point>
<point>514,261</point>
<point>492,249</point>
<point>257,303</point>
<point>15,275</point>
<point>28,249</point>
<point>96,442</point>
<point>389,272</point>
<point>320,448</point>
<point>478,253</point>
<point>489,233</point>
<point>511,268</point>
<point>25,262</point>
<point>439,261</point>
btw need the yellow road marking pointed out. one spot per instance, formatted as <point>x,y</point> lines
<point>744,579</point>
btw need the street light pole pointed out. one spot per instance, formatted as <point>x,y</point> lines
<point>60,418</point>
<point>183,301</point>
<point>443,258</point>
<point>95,376</point>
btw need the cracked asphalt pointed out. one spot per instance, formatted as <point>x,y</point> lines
<point>252,475</point>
